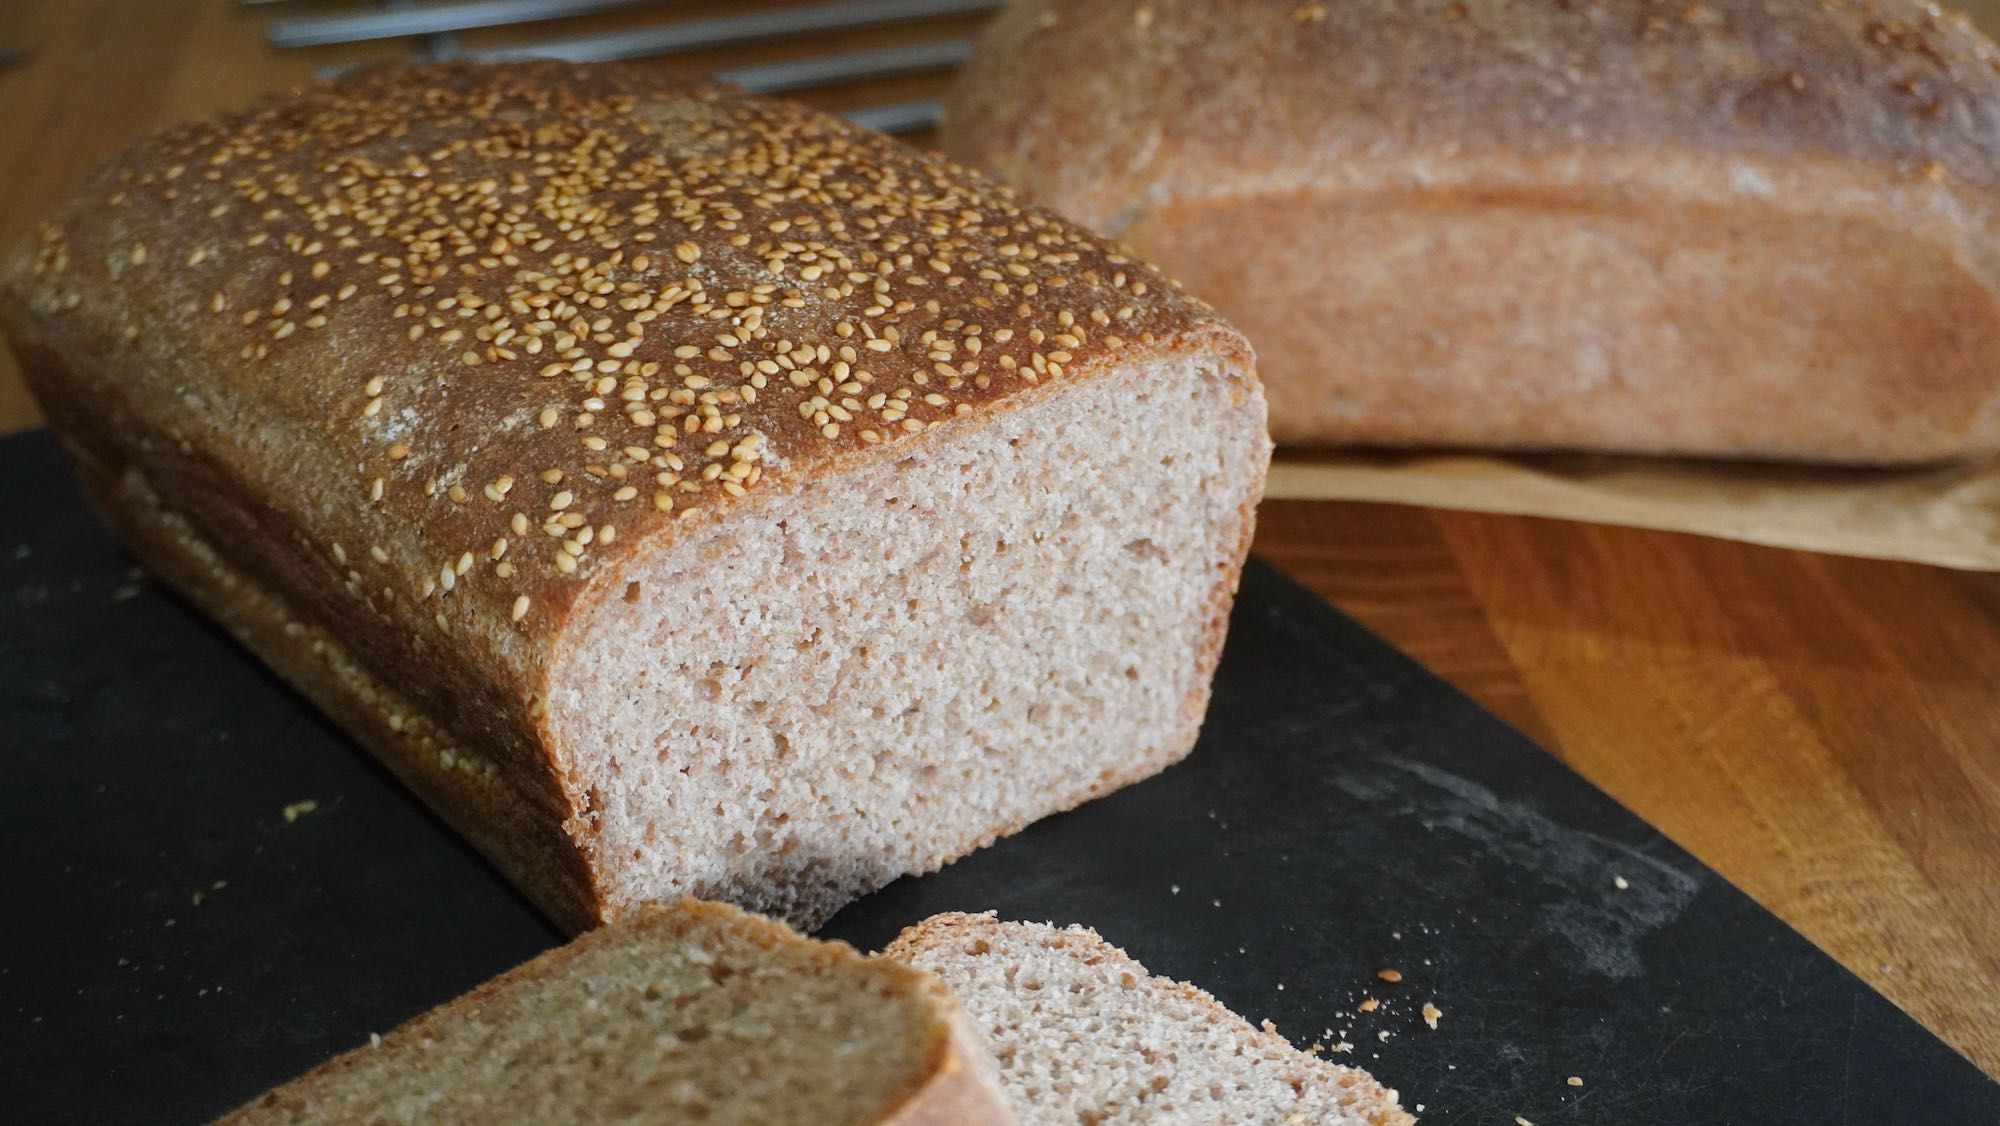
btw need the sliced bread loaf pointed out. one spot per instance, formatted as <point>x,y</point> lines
<point>1082,1033</point>
<point>694,1013</point>
<point>686,494</point>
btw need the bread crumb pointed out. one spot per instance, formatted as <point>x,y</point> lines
<point>1383,1036</point>
<point>1390,976</point>
<point>1574,1081</point>
<point>1368,1004</point>
<point>1520,1121</point>
<point>299,809</point>
<point>1175,888</point>
<point>1620,882</point>
<point>1431,1015</point>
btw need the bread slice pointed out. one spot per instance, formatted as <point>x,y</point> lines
<point>1082,1033</point>
<point>692,1013</point>
<point>686,494</point>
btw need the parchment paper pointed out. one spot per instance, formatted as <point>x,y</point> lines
<point>1949,516</point>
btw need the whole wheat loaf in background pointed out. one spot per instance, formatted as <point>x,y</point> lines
<point>1082,1033</point>
<point>691,1013</point>
<point>684,493</point>
<point>1735,227</point>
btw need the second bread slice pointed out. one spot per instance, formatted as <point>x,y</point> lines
<point>1082,1033</point>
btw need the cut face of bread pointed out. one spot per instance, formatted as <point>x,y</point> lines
<point>686,494</point>
<point>697,1013</point>
<point>890,666</point>
<point>1082,1033</point>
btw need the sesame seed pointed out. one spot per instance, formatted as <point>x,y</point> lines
<point>505,270</point>
<point>520,609</point>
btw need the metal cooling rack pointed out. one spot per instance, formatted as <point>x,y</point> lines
<point>437,29</point>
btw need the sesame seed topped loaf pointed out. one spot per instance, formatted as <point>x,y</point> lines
<point>691,1013</point>
<point>685,493</point>
<point>1757,228</point>
<point>1082,1033</point>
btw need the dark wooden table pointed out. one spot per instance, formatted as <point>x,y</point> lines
<point>1824,732</point>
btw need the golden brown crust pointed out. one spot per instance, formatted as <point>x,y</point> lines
<point>426,352</point>
<point>1200,98</point>
<point>1569,320</point>
<point>1514,223</point>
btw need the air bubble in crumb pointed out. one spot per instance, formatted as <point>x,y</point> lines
<point>299,809</point>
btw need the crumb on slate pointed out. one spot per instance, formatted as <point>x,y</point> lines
<point>299,809</point>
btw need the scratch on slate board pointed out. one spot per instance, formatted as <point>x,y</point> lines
<point>1601,932</point>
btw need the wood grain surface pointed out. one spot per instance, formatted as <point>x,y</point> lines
<point>1824,732</point>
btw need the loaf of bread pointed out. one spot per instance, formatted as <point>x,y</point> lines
<point>1083,1033</point>
<point>692,1013</point>
<point>1762,228</point>
<point>687,494</point>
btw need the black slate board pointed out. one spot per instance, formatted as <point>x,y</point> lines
<point>174,944</point>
